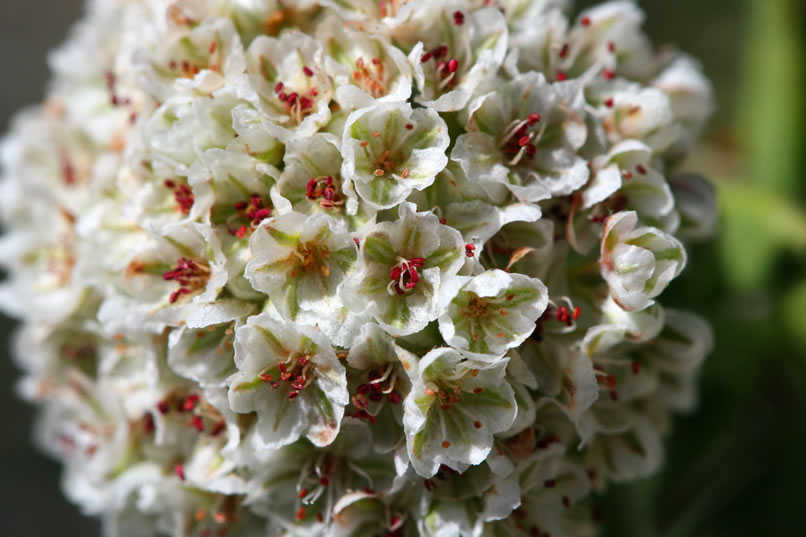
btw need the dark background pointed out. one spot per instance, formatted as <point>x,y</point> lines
<point>735,467</point>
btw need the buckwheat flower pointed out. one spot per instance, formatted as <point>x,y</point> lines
<point>300,263</point>
<point>628,171</point>
<point>488,314</point>
<point>312,182</point>
<point>289,375</point>
<point>200,58</point>
<point>691,94</point>
<point>643,114</point>
<point>401,267</point>
<point>293,90</point>
<point>381,390</point>
<point>508,142</point>
<point>452,51</point>
<point>454,409</point>
<point>391,149</point>
<point>365,68</point>
<point>638,262</point>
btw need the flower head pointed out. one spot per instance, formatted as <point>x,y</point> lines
<point>330,267</point>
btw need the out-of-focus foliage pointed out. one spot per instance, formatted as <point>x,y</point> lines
<point>736,467</point>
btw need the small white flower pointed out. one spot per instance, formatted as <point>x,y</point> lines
<point>454,409</point>
<point>525,135</point>
<point>488,314</point>
<point>300,262</point>
<point>638,263</point>
<point>402,266</point>
<point>391,149</point>
<point>290,376</point>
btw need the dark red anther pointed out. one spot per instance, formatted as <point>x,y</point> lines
<point>190,402</point>
<point>179,471</point>
<point>453,65</point>
<point>320,518</point>
<point>169,184</point>
<point>636,368</point>
<point>307,71</point>
<point>561,76</point>
<point>184,198</point>
<point>197,423</point>
<point>586,21</point>
<point>394,398</point>
<point>524,140</point>
<point>163,407</point>
<point>577,313</point>
<point>608,74</point>
<point>218,428</point>
<point>302,493</point>
<point>611,47</point>
<point>324,480</point>
<point>532,119</point>
<point>261,214</point>
<point>564,51</point>
<point>425,57</point>
<point>300,514</point>
<point>458,18</point>
<point>609,102</point>
<point>293,394</point>
<point>640,168</point>
<point>627,176</point>
<point>469,249</point>
<point>550,483</point>
<point>148,423</point>
<point>213,46</point>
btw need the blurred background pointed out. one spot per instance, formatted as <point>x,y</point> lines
<point>737,466</point>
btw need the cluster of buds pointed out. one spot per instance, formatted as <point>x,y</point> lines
<point>354,267</point>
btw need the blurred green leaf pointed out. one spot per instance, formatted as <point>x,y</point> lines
<point>772,94</point>
<point>756,225</point>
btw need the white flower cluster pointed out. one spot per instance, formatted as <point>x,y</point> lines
<point>354,267</point>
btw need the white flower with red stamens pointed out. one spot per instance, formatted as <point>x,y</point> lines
<point>639,113</point>
<point>526,136</point>
<point>391,149</point>
<point>454,409</point>
<point>401,268</point>
<point>202,58</point>
<point>451,56</point>
<point>365,68</point>
<point>290,84</point>
<point>311,181</point>
<point>289,375</point>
